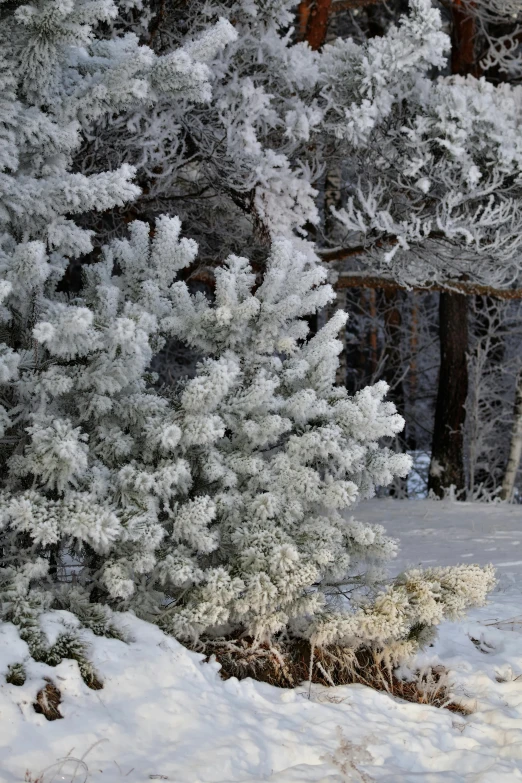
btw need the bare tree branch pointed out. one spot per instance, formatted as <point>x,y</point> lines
<point>343,253</point>
<point>348,5</point>
<point>361,280</point>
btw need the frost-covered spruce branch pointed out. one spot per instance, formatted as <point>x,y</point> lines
<point>243,161</point>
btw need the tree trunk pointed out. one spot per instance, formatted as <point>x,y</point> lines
<point>488,357</point>
<point>392,332</point>
<point>413,368</point>
<point>447,453</point>
<point>303,15</point>
<point>340,377</point>
<point>515,449</point>
<point>447,463</point>
<point>393,373</point>
<point>393,367</point>
<point>373,334</point>
<point>463,58</point>
<point>317,23</point>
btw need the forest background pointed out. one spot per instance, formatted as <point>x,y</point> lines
<point>444,334</point>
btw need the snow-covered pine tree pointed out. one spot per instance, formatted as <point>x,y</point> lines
<point>220,505</point>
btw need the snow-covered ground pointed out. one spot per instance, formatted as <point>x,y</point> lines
<point>164,714</point>
<point>446,533</point>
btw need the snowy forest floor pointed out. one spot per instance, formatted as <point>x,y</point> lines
<point>164,714</point>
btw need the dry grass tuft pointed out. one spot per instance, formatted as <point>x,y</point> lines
<point>93,682</point>
<point>510,624</point>
<point>48,700</point>
<point>289,664</point>
<point>16,674</point>
<point>69,768</point>
<point>348,757</point>
<point>29,778</point>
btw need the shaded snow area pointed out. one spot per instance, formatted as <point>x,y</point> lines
<point>164,714</point>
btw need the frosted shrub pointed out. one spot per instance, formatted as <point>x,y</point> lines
<point>225,505</point>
